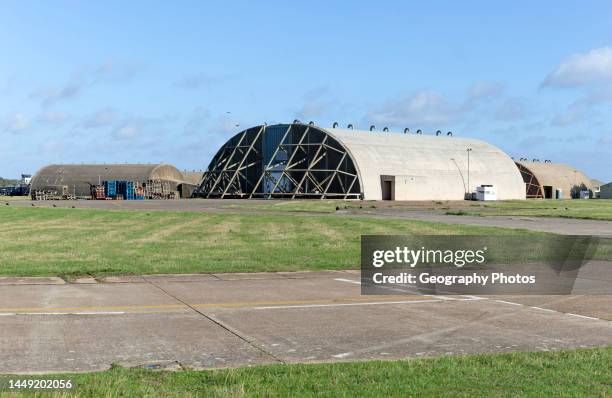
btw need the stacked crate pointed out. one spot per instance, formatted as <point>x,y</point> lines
<point>97,192</point>
<point>159,189</point>
<point>138,192</point>
<point>110,188</point>
<point>126,189</point>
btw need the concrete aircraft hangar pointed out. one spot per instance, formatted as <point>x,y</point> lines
<point>307,161</point>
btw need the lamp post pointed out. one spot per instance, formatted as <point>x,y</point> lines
<point>468,170</point>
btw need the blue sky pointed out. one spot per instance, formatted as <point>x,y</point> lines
<point>146,81</point>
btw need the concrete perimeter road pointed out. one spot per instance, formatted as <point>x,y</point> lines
<point>227,320</point>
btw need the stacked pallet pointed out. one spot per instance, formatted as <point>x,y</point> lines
<point>158,189</point>
<point>126,189</point>
<point>110,188</point>
<point>97,192</point>
<point>52,192</point>
<point>138,192</point>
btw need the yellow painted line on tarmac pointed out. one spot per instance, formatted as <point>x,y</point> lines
<point>238,304</point>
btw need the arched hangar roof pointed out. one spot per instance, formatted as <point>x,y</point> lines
<point>558,176</point>
<point>79,177</point>
<point>297,160</point>
<point>430,167</point>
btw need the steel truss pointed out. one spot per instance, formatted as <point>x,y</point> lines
<point>533,189</point>
<point>282,161</point>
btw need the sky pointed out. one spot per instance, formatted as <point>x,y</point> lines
<point>171,81</point>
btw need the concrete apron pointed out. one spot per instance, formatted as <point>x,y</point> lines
<point>230,320</point>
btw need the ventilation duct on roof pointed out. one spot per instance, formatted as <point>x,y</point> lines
<point>349,126</point>
<point>297,121</point>
<point>406,130</point>
<point>372,128</point>
<point>419,131</point>
<point>386,129</point>
<point>311,123</point>
<point>449,134</point>
<point>438,132</point>
<point>335,125</point>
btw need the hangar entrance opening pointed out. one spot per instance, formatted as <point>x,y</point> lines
<point>388,187</point>
<point>548,192</point>
<point>387,190</point>
<point>282,161</point>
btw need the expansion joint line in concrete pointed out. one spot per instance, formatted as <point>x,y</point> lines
<point>216,322</point>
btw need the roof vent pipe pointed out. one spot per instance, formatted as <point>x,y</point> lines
<point>406,130</point>
<point>386,129</point>
<point>335,125</point>
<point>311,123</point>
<point>419,131</point>
<point>372,128</point>
<point>349,126</point>
<point>449,134</point>
<point>438,132</point>
<point>297,121</point>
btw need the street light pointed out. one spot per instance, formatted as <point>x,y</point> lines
<point>468,176</point>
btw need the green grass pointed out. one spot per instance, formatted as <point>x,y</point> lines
<point>14,198</point>
<point>68,242</point>
<point>311,206</point>
<point>571,373</point>
<point>594,209</point>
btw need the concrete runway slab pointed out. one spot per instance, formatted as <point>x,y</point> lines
<point>209,322</point>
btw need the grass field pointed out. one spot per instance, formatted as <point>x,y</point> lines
<point>596,209</point>
<point>14,198</point>
<point>572,373</point>
<point>69,242</point>
<point>600,209</point>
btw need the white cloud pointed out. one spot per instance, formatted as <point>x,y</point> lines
<point>511,109</point>
<point>606,139</point>
<point>102,118</point>
<point>109,72</point>
<point>197,121</point>
<point>53,118</point>
<point>422,108</point>
<point>485,90</point>
<point>200,80</point>
<point>126,132</point>
<point>313,109</point>
<point>51,95</point>
<point>16,123</point>
<point>582,69</point>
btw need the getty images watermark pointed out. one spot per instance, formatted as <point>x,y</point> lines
<point>434,264</point>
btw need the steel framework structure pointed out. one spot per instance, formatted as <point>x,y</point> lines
<point>533,189</point>
<point>282,161</point>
